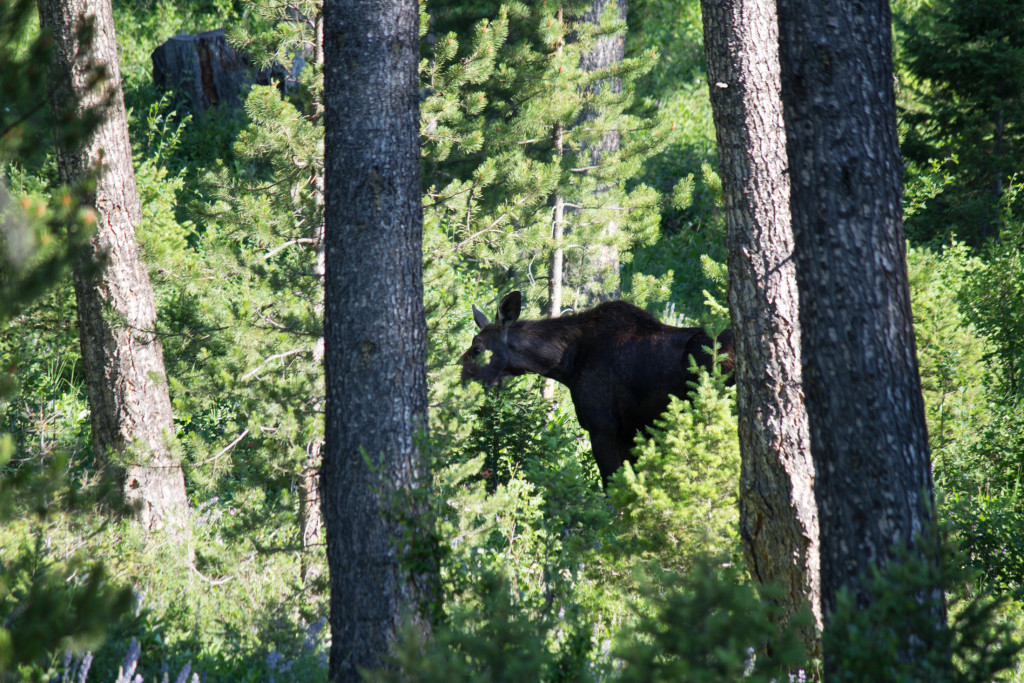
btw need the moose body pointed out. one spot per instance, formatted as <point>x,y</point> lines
<point>619,362</point>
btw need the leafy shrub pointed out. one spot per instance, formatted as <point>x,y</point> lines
<point>989,461</point>
<point>993,295</point>
<point>990,530</point>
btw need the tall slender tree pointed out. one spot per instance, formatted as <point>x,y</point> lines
<point>778,518</point>
<point>873,478</point>
<point>374,323</point>
<point>122,357</point>
<point>606,53</point>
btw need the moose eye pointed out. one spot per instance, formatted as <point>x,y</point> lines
<point>476,351</point>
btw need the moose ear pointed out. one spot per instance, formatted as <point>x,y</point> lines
<point>479,318</point>
<point>509,308</point>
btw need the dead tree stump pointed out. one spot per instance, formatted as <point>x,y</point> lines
<point>202,69</point>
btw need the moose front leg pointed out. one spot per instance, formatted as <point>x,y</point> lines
<point>610,453</point>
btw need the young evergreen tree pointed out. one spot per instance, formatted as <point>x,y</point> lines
<point>269,238</point>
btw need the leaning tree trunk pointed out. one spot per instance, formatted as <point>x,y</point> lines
<point>121,354</point>
<point>778,518</point>
<point>872,472</point>
<point>375,327</point>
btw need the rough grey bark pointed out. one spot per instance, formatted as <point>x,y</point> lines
<point>861,384</point>
<point>778,517</point>
<point>375,326</point>
<point>122,357</point>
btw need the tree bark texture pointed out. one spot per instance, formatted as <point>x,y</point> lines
<point>861,383</point>
<point>778,517</point>
<point>122,357</point>
<point>310,516</point>
<point>606,51</point>
<point>375,325</point>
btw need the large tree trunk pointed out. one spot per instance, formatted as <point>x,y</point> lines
<point>861,383</point>
<point>778,518</point>
<point>375,326</point>
<point>122,357</point>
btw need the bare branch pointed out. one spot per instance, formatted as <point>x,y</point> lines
<point>276,356</point>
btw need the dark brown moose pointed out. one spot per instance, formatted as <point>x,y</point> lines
<point>619,362</point>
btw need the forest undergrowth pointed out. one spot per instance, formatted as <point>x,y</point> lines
<point>544,575</point>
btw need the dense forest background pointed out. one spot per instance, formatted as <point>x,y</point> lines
<point>543,575</point>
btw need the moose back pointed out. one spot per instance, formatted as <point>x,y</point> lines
<point>620,363</point>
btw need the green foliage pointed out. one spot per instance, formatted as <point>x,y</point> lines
<point>993,295</point>
<point>506,645</point>
<point>707,625</point>
<point>680,503</point>
<point>965,95</point>
<point>905,597</point>
<point>983,475</point>
<point>693,240</point>
<point>48,606</point>
<point>990,460</point>
<point>674,30</point>
<point>950,350</point>
<point>49,601</point>
<point>990,529</point>
<point>491,121</point>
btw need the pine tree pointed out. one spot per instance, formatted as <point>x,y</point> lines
<point>129,403</point>
<point>544,113</point>
<point>872,471</point>
<point>964,102</point>
<point>50,601</point>
<point>269,240</point>
<point>778,516</point>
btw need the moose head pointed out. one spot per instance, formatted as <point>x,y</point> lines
<point>487,360</point>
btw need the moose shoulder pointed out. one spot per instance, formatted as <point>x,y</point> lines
<point>620,363</point>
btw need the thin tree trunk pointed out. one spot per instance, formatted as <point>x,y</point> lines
<point>375,327</point>
<point>310,515</point>
<point>867,424</point>
<point>122,357</point>
<point>310,520</point>
<point>555,271</point>
<point>778,517</point>
<point>556,267</point>
<point>606,51</point>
